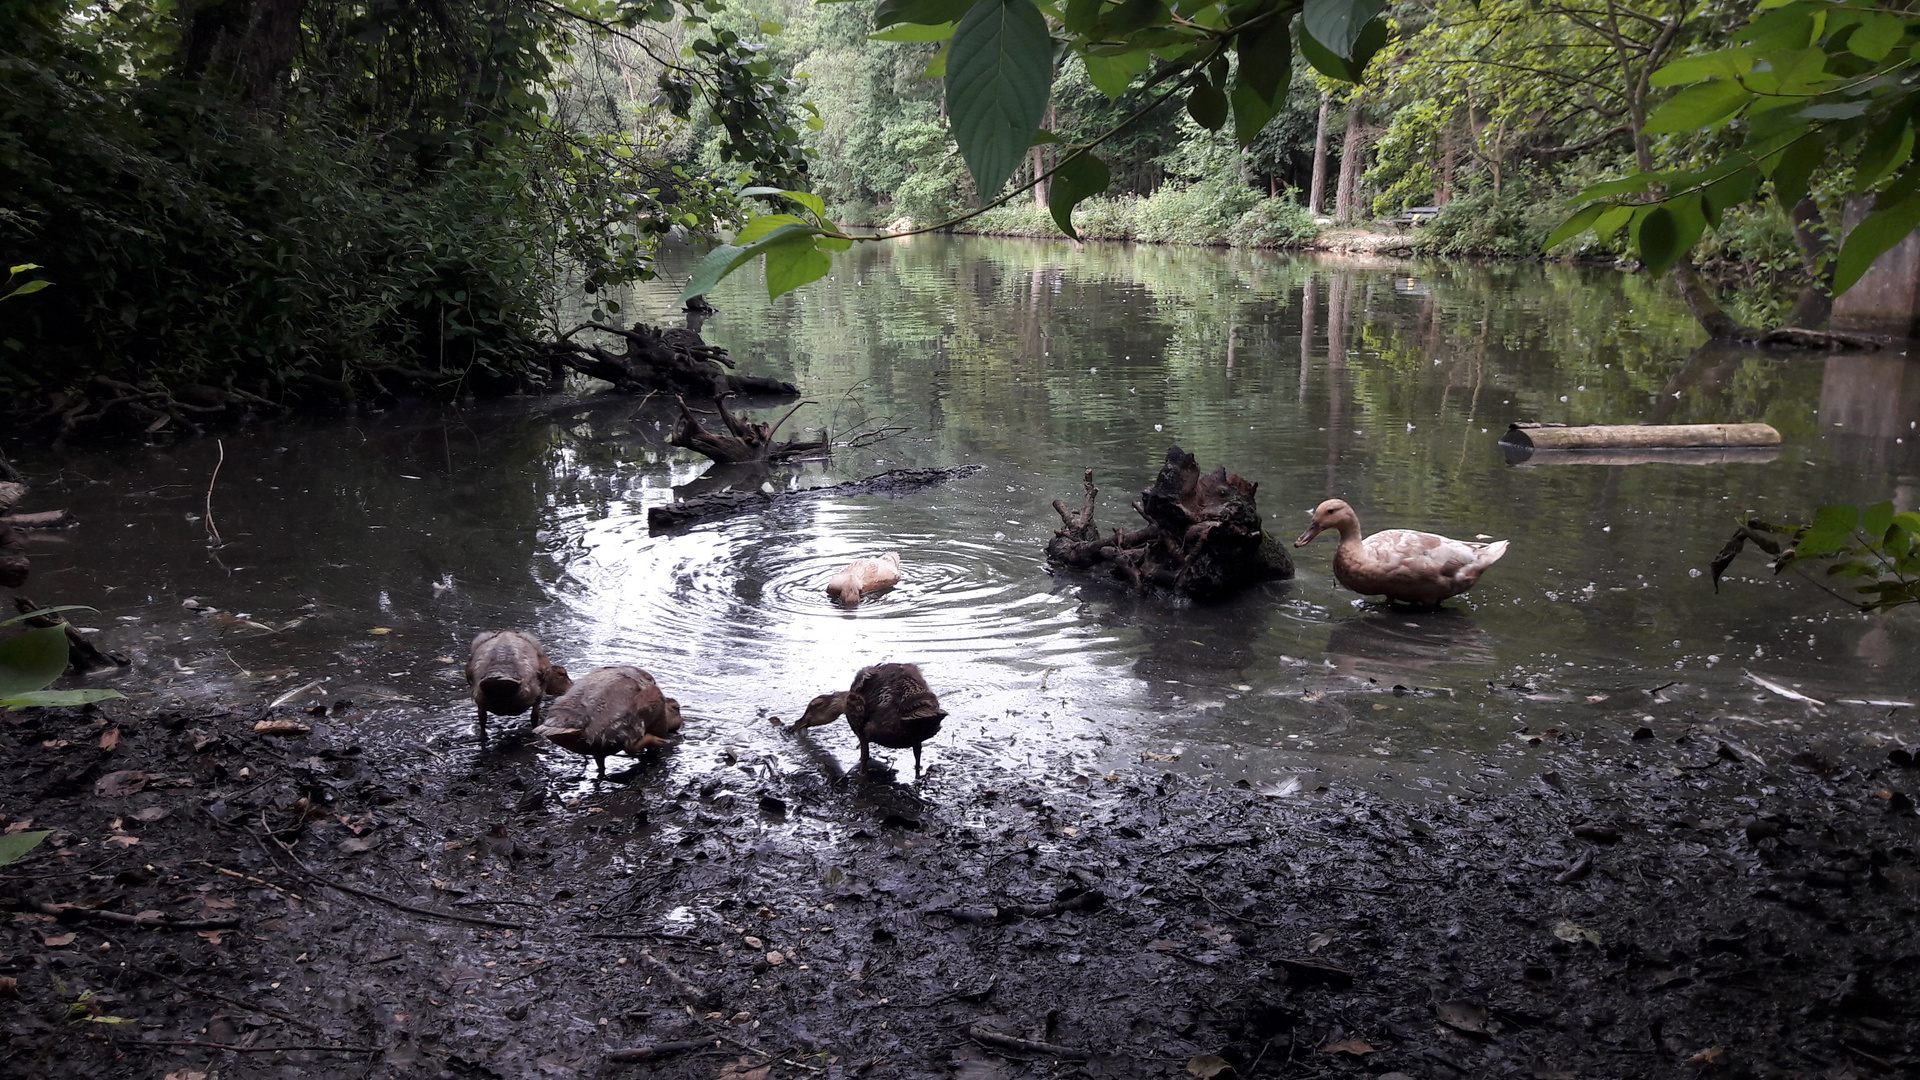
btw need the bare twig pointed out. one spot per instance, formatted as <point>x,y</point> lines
<point>238,1049</point>
<point>688,989</point>
<point>387,900</point>
<point>75,911</point>
<point>213,534</point>
<point>987,1036</point>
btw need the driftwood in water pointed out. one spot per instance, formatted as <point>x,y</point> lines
<point>42,519</point>
<point>1793,337</point>
<point>1638,436</point>
<point>81,653</point>
<point>673,360</point>
<point>892,483</point>
<point>743,440</point>
<point>1202,536</point>
<point>10,495</point>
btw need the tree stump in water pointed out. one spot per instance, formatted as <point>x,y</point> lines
<point>1202,538</point>
<point>674,360</point>
<point>743,440</point>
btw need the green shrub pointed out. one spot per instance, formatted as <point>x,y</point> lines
<point>1017,218</point>
<point>1482,223</point>
<point>1108,218</point>
<point>1201,213</point>
<point>1274,223</point>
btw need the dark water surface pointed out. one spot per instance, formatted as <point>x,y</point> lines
<point>368,550</point>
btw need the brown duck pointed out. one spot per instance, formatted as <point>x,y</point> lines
<point>888,704</point>
<point>509,673</point>
<point>611,710</point>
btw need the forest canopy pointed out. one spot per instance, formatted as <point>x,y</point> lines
<point>310,199</point>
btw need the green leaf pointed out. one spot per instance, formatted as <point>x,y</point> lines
<point>1251,113</point>
<point>1573,226</point>
<point>999,77</point>
<point>1873,237</point>
<point>926,12</point>
<point>1659,240</point>
<point>794,262</point>
<point>1266,60</point>
<point>1876,35</point>
<point>29,288</point>
<point>22,268</point>
<point>1081,15</point>
<point>1794,169</point>
<point>914,32</point>
<point>59,699</point>
<point>936,68</point>
<point>1699,106</point>
<point>1075,179</point>
<point>1042,137</point>
<point>1610,221</point>
<point>1876,520</point>
<point>1713,65</point>
<point>761,226</point>
<point>37,612</point>
<point>1207,105</point>
<point>1337,24</point>
<point>1638,182</point>
<point>1887,147</point>
<point>1323,60</point>
<point>32,660</point>
<point>14,846</point>
<point>1112,75</point>
<point>1728,192</point>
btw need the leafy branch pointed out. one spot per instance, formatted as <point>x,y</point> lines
<point>1874,546</point>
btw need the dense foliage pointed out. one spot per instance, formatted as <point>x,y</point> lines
<point>341,197</point>
<point>1873,550</point>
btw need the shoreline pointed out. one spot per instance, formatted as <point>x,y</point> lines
<point>1748,910</point>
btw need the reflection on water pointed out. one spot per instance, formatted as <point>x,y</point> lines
<point>368,551</point>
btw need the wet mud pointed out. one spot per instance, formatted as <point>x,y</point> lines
<point>217,900</point>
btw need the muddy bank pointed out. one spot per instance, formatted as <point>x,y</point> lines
<point>385,910</point>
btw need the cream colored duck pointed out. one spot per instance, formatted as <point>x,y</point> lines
<point>864,576</point>
<point>611,710</point>
<point>1401,564</point>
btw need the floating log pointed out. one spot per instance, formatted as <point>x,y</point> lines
<point>1202,539</point>
<point>1638,436</point>
<point>720,504</point>
<point>743,441</point>
<point>43,519</point>
<point>1693,455</point>
<point>673,360</point>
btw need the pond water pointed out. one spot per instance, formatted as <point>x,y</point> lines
<point>368,550</point>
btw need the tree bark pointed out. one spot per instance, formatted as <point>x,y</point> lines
<point>743,439</point>
<point>1445,192</point>
<point>249,43</point>
<point>674,360</point>
<point>1202,538</point>
<point>1316,197</point>
<point>1351,151</point>
<point>1813,308</point>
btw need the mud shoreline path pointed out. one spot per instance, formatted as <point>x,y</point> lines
<point>342,912</point>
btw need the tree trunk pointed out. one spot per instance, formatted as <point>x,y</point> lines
<point>1445,193</point>
<point>1346,201</point>
<point>1202,538</point>
<point>1813,308</point>
<point>1316,196</point>
<point>248,43</point>
<point>1706,310</point>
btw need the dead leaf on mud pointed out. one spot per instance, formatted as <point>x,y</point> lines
<point>358,845</point>
<point>123,841</point>
<point>745,1069</point>
<point>57,941</point>
<point>1714,1056</point>
<point>212,936</point>
<point>110,738</point>
<point>1570,931</point>
<point>1148,755</point>
<point>1467,1016</point>
<point>151,814</point>
<point>1318,942</point>
<point>1355,1047</point>
<point>9,987</point>
<point>1207,1066</point>
<point>116,784</point>
<point>281,727</point>
<point>185,1074</point>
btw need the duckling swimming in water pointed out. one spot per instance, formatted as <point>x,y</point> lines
<point>863,576</point>
<point>888,704</point>
<point>509,673</point>
<point>612,710</point>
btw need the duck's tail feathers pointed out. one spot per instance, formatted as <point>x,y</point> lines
<point>1491,554</point>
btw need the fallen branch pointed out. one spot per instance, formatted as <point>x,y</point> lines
<point>687,987</point>
<point>675,359</point>
<point>744,440</point>
<point>660,1050</point>
<point>41,519</point>
<point>720,504</point>
<point>399,905</point>
<point>81,653</point>
<point>76,911</point>
<point>986,1036</point>
<point>238,1049</point>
